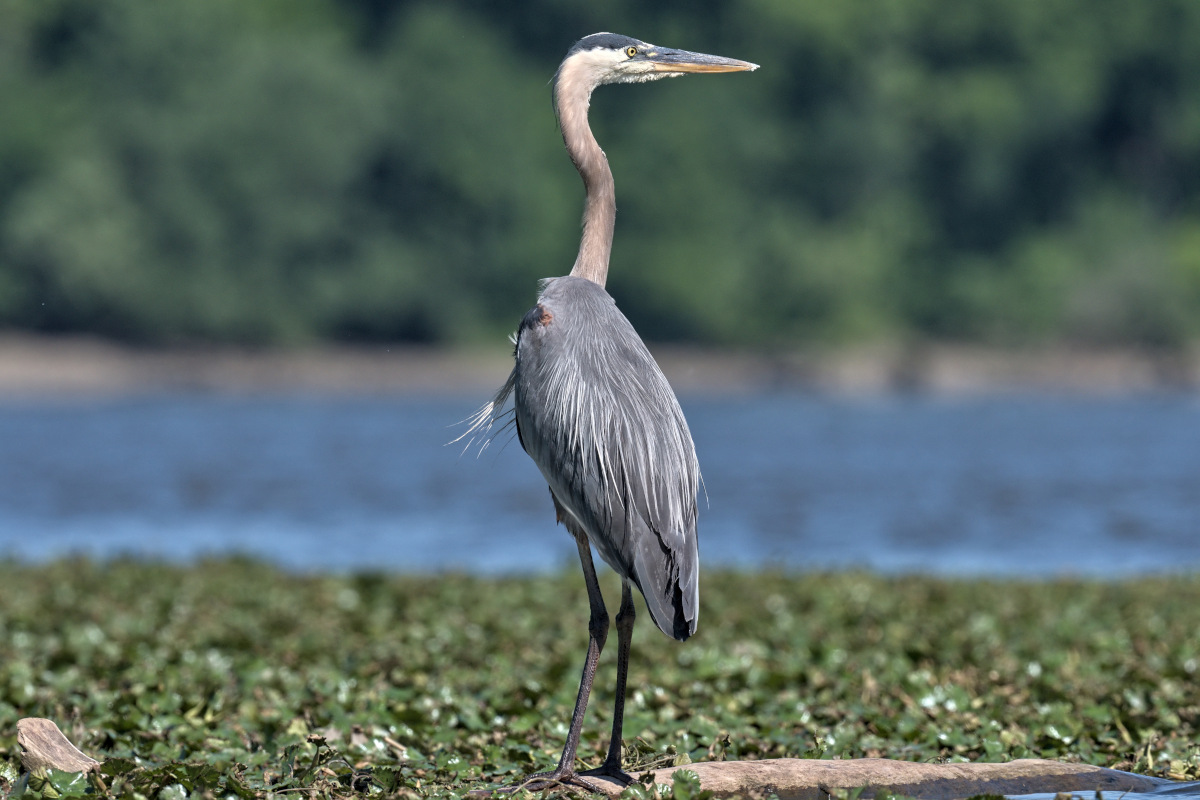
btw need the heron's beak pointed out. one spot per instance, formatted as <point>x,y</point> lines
<point>680,61</point>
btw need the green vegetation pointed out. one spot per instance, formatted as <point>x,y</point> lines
<point>287,171</point>
<point>233,678</point>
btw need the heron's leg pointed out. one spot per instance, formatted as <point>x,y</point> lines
<point>597,635</point>
<point>625,619</point>
<point>565,773</point>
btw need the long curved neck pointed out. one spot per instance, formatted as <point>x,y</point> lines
<point>573,91</point>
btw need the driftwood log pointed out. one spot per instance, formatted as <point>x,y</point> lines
<point>812,779</point>
<point>43,746</point>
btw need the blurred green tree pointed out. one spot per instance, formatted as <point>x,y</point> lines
<point>285,172</point>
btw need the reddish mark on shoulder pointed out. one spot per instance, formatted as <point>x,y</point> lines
<point>538,317</point>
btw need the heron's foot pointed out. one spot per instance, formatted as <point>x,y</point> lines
<point>567,779</point>
<point>611,770</point>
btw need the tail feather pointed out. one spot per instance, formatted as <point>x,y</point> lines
<point>673,596</point>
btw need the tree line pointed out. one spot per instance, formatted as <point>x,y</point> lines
<point>292,171</point>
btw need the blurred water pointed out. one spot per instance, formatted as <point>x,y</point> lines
<point>1027,485</point>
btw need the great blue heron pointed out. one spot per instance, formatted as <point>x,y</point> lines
<point>595,412</point>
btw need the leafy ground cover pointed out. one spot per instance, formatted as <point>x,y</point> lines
<point>230,678</point>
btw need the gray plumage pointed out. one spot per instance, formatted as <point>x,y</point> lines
<point>598,417</point>
<point>596,414</point>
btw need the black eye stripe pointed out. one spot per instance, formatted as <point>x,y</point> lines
<point>610,41</point>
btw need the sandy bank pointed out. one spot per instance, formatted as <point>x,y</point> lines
<point>76,366</point>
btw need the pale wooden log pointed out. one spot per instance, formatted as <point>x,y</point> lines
<point>814,779</point>
<point>44,747</point>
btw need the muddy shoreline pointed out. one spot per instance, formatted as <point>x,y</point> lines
<point>36,366</point>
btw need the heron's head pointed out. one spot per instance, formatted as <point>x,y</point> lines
<point>611,58</point>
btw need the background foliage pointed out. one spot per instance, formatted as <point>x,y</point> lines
<point>299,170</point>
<point>231,678</point>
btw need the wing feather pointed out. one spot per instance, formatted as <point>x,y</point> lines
<point>599,418</point>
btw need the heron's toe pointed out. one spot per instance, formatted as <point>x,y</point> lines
<point>611,771</point>
<point>556,779</point>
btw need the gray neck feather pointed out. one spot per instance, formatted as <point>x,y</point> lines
<point>572,94</point>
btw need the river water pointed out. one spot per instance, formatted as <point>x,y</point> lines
<point>1014,485</point>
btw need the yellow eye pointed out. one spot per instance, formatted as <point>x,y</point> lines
<point>631,51</point>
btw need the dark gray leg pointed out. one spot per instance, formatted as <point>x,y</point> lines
<point>565,773</point>
<point>625,619</point>
<point>597,635</point>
